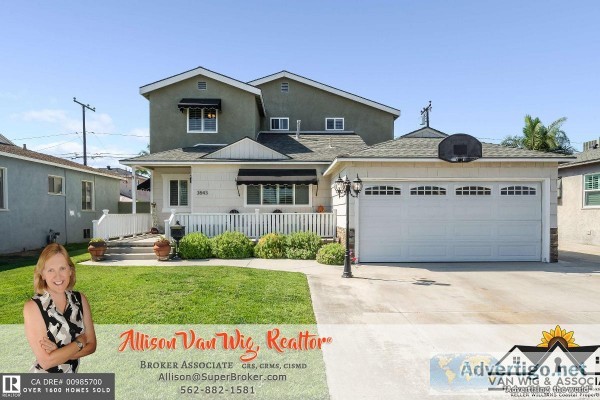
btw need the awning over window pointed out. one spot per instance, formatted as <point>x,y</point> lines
<point>276,176</point>
<point>199,103</point>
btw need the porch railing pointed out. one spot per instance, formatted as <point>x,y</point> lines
<point>111,226</point>
<point>255,225</point>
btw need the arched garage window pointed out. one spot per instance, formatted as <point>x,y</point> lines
<point>473,191</point>
<point>428,191</point>
<point>382,191</point>
<point>517,191</point>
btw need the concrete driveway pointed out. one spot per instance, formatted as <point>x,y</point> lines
<point>390,321</point>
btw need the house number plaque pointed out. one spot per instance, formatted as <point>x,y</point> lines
<point>202,192</point>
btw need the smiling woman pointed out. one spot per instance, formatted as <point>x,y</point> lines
<point>58,320</point>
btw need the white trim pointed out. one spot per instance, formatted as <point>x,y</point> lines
<point>56,164</point>
<point>203,118</point>
<point>279,118</point>
<point>62,186</point>
<point>93,199</point>
<point>166,178</point>
<point>195,72</point>
<point>414,160</point>
<point>4,193</point>
<point>334,119</point>
<point>310,196</point>
<point>584,191</point>
<point>330,89</point>
<point>211,156</point>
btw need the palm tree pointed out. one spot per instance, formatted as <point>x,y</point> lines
<point>537,136</point>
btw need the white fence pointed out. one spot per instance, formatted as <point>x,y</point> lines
<point>120,225</point>
<point>255,225</point>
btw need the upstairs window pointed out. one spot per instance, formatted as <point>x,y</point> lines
<point>87,195</point>
<point>285,87</point>
<point>3,189</point>
<point>178,193</point>
<point>202,120</point>
<point>201,85</point>
<point>334,124</point>
<point>591,190</point>
<point>428,191</point>
<point>55,184</point>
<point>280,124</point>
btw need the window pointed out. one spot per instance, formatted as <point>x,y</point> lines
<point>201,85</point>
<point>178,193</point>
<point>3,189</point>
<point>55,184</point>
<point>202,120</point>
<point>428,191</point>
<point>334,124</point>
<point>278,195</point>
<point>473,191</point>
<point>280,124</point>
<point>517,191</point>
<point>591,190</point>
<point>382,191</point>
<point>87,195</point>
<point>87,233</point>
<point>285,87</point>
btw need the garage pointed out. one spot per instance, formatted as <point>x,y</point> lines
<point>432,221</point>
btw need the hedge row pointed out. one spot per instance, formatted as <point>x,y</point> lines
<point>299,246</point>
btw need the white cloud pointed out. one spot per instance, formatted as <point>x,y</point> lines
<point>96,122</point>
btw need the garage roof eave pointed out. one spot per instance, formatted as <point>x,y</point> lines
<point>435,159</point>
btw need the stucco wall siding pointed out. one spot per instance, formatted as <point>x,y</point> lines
<point>168,126</point>
<point>32,211</point>
<point>577,224</point>
<point>312,106</point>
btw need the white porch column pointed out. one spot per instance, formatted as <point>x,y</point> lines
<point>133,191</point>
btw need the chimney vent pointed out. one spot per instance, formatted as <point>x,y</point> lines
<point>24,146</point>
<point>298,122</point>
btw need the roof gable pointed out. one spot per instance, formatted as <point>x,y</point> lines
<point>425,132</point>
<point>286,74</point>
<point>246,149</point>
<point>4,140</point>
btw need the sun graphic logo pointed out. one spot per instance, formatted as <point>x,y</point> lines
<point>558,335</point>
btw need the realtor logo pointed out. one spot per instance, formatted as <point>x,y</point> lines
<point>11,384</point>
<point>557,365</point>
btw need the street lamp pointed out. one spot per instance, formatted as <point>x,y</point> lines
<point>344,187</point>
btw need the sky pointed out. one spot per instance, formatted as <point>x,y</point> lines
<point>483,64</point>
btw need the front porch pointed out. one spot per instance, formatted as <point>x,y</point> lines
<point>254,225</point>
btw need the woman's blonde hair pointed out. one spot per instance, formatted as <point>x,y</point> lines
<point>39,285</point>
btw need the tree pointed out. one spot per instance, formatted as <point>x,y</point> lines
<point>537,136</point>
<point>143,171</point>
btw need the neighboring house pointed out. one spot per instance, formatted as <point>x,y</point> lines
<point>126,184</point>
<point>579,198</point>
<point>41,193</point>
<point>218,145</point>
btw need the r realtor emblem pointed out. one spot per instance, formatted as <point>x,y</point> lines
<point>11,385</point>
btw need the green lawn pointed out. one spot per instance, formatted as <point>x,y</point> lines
<point>169,295</point>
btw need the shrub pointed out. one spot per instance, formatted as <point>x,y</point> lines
<point>302,245</point>
<point>231,245</point>
<point>331,254</point>
<point>195,245</point>
<point>271,245</point>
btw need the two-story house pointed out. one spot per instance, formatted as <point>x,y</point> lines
<point>219,146</point>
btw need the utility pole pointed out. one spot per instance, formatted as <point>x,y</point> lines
<point>425,115</point>
<point>83,107</point>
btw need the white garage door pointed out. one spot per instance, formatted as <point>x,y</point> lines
<point>450,221</point>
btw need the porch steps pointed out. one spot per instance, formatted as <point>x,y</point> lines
<point>136,248</point>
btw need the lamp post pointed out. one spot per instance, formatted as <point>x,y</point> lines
<point>345,188</point>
